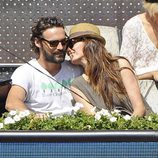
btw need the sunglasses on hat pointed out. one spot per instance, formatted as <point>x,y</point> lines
<point>72,41</point>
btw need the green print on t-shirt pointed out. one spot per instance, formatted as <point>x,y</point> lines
<point>53,86</point>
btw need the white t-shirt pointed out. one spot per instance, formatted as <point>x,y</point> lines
<point>44,94</point>
<point>137,46</point>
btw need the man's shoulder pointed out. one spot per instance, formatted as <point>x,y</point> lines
<point>67,63</point>
<point>24,68</point>
<point>71,68</point>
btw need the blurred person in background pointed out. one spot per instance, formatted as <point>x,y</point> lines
<point>140,47</point>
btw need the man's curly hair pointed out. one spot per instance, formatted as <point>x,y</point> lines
<point>40,26</point>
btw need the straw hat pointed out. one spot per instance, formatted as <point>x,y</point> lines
<point>86,30</point>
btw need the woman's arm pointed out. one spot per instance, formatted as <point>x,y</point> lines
<point>131,84</point>
<point>153,75</point>
<point>88,108</point>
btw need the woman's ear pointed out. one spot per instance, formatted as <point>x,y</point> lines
<point>38,43</point>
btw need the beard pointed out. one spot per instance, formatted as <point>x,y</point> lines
<point>56,57</point>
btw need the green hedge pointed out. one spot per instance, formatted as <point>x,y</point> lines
<point>103,120</point>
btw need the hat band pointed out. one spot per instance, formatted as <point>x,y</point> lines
<point>82,33</point>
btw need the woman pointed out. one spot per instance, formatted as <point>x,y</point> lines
<point>140,47</point>
<point>140,39</point>
<point>107,82</point>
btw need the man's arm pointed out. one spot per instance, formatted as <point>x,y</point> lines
<point>15,99</point>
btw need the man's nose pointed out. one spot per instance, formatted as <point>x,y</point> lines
<point>60,46</point>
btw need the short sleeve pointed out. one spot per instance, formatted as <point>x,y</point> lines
<point>22,77</point>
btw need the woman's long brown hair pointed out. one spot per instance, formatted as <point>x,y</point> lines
<point>103,72</point>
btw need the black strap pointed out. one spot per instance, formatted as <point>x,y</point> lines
<point>122,68</point>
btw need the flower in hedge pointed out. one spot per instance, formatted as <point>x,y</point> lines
<point>13,117</point>
<point>12,113</point>
<point>104,112</point>
<point>97,116</point>
<point>8,120</point>
<point>1,125</point>
<point>127,117</point>
<point>113,119</point>
<point>116,111</point>
<point>17,118</point>
<point>149,118</point>
<point>77,106</point>
<point>24,113</point>
<point>89,126</point>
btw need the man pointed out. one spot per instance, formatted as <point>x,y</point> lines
<point>38,85</point>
